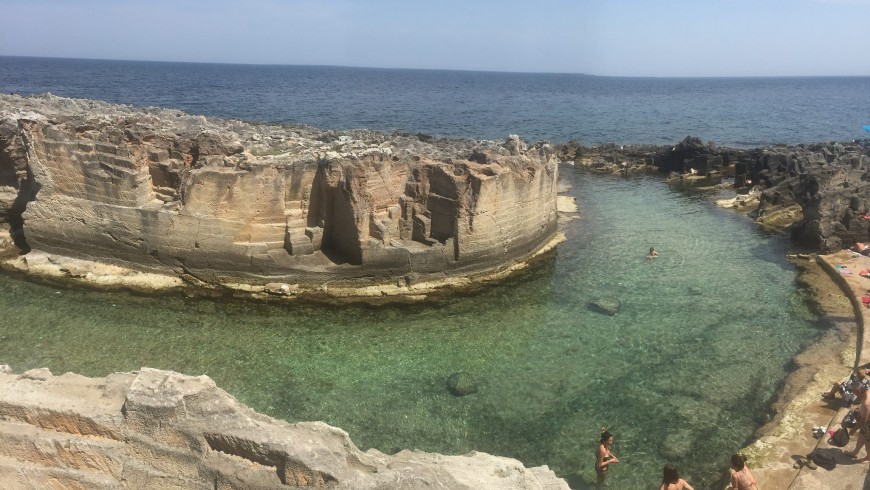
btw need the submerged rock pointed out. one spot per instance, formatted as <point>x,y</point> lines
<point>607,306</point>
<point>461,384</point>
<point>677,444</point>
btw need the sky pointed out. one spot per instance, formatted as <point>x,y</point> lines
<point>661,38</point>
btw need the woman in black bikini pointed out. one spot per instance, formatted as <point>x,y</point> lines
<point>603,457</point>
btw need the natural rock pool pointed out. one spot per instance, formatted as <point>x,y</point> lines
<point>684,372</point>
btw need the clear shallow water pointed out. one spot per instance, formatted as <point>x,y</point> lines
<point>556,107</point>
<point>684,373</point>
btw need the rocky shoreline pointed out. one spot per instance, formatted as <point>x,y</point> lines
<point>817,192</point>
<point>159,429</point>
<point>787,435</point>
<point>431,216</point>
<point>157,199</point>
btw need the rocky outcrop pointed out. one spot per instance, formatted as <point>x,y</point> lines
<point>820,191</point>
<point>831,184</point>
<point>222,202</point>
<point>160,429</point>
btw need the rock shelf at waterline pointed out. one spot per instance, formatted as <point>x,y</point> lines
<point>149,199</point>
<point>155,428</point>
<point>155,198</point>
<point>821,191</point>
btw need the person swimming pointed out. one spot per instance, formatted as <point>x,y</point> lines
<point>652,253</point>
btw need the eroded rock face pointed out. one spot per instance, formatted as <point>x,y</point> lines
<point>823,186</point>
<point>160,429</point>
<point>225,201</point>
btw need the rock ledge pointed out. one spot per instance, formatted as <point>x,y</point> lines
<point>273,209</point>
<point>160,429</point>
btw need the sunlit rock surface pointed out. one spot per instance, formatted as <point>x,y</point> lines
<point>222,202</point>
<point>160,429</point>
<point>820,191</point>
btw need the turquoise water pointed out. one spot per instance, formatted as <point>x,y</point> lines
<point>684,373</point>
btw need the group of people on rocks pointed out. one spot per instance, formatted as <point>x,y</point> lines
<point>856,388</point>
<point>741,477</point>
<point>848,388</point>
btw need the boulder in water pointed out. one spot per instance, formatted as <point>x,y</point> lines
<point>607,306</point>
<point>461,384</point>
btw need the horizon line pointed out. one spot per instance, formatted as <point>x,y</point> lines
<point>431,69</point>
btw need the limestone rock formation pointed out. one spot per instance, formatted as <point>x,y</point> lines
<point>222,202</point>
<point>160,429</point>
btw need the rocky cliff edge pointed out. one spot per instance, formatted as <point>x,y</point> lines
<point>279,209</point>
<point>160,429</point>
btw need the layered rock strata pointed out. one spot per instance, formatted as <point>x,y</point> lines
<point>222,202</point>
<point>159,429</point>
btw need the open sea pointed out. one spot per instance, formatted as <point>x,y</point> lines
<point>464,104</point>
<point>686,371</point>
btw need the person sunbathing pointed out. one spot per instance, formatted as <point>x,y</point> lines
<point>861,248</point>
<point>847,387</point>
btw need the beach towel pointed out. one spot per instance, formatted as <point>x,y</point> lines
<point>842,269</point>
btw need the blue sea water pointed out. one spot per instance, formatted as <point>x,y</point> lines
<point>676,374</point>
<point>483,105</point>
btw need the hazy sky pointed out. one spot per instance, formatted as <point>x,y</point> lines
<point>600,37</point>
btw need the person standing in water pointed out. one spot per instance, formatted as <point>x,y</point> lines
<point>603,457</point>
<point>671,479</point>
<point>652,253</point>
<point>741,478</point>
